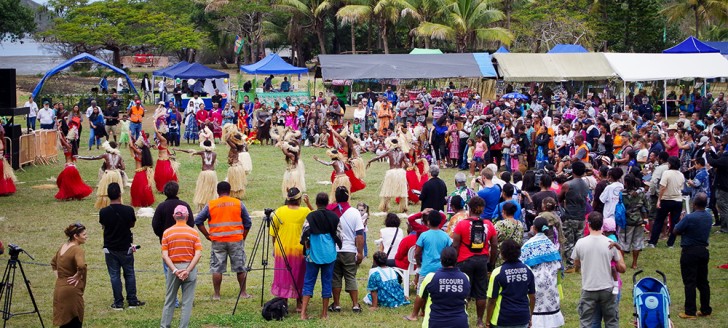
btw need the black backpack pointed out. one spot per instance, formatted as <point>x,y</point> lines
<point>477,236</point>
<point>276,308</point>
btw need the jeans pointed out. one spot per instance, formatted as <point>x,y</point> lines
<point>135,129</point>
<point>366,249</point>
<point>46,126</point>
<point>188,295</point>
<point>464,165</point>
<point>115,262</point>
<point>31,123</point>
<point>672,207</point>
<point>507,160</point>
<point>602,299</point>
<point>92,139</point>
<point>309,280</point>
<point>694,271</point>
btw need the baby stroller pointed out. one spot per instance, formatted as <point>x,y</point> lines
<point>651,302</point>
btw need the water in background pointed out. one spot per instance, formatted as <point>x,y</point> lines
<point>28,58</point>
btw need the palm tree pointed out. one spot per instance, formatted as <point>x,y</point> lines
<point>708,11</point>
<point>383,12</point>
<point>314,11</point>
<point>424,11</point>
<point>467,21</point>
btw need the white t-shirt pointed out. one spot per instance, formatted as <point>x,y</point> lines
<point>610,198</point>
<point>194,105</point>
<point>360,113</point>
<point>33,108</point>
<point>349,223</point>
<point>119,84</point>
<point>642,154</point>
<point>387,236</point>
<point>45,116</point>
<point>596,258</point>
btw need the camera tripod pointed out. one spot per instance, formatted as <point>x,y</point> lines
<point>262,240</point>
<point>7,285</point>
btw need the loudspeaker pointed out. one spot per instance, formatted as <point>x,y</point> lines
<point>8,98</point>
<point>13,132</point>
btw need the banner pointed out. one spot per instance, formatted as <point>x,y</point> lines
<point>238,45</point>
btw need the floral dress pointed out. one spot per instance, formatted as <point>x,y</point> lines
<point>454,148</point>
<point>542,256</point>
<point>389,291</point>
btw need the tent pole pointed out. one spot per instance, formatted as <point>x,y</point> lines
<point>624,94</point>
<point>664,94</point>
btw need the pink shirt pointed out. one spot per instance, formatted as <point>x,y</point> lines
<point>672,148</point>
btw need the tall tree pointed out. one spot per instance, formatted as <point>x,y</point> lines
<point>382,13</point>
<point>314,11</point>
<point>465,22</point>
<point>708,11</point>
<point>16,20</point>
<point>423,11</point>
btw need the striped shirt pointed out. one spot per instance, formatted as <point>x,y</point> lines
<point>181,242</point>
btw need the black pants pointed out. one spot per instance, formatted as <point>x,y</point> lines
<point>694,271</point>
<point>673,208</point>
<point>74,323</point>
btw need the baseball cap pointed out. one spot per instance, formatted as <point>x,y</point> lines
<point>181,210</point>
<point>138,102</point>
<point>703,140</point>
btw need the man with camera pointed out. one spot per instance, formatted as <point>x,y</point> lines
<point>229,224</point>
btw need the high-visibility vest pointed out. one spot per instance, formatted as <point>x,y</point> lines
<point>225,223</point>
<point>586,150</point>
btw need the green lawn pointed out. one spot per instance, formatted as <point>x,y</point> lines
<point>33,219</point>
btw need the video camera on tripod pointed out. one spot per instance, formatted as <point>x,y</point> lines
<point>15,250</point>
<point>7,285</point>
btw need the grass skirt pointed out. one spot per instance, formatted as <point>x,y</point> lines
<point>141,190</point>
<point>357,165</point>
<point>107,178</point>
<point>163,173</point>
<point>7,178</point>
<point>294,177</point>
<point>244,158</point>
<point>206,188</point>
<point>70,185</point>
<point>394,184</point>
<point>339,180</point>
<point>237,179</point>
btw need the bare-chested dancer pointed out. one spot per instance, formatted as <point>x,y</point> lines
<point>340,177</point>
<point>351,148</point>
<point>112,168</point>
<point>206,187</point>
<point>395,180</point>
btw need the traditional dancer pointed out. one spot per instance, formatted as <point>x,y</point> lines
<point>206,187</point>
<point>69,182</point>
<point>244,155</point>
<point>166,168</point>
<point>7,175</point>
<point>395,180</point>
<point>351,147</point>
<point>236,175</point>
<point>295,174</point>
<point>110,172</point>
<point>339,175</point>
<point>141,190</point>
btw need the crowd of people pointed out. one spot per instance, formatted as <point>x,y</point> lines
<point>548,186</point>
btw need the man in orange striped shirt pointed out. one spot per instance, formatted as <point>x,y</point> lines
<point>181,250</point>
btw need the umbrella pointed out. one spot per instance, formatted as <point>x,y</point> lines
<point>515,95</point>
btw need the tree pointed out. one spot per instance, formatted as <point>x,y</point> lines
<point>542,24</point>
<point>708,11</point>
<point>423,11</point>
<point>16,20</point>
<point>244,18</point>
<point>380,12</point>
<point>466,21</point>
<point>314,11</point>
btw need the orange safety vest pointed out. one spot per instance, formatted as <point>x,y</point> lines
<point>586,149</point>
<point>226,224</point>
<point>136,114</point>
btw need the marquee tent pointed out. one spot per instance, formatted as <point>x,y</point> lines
<point>163,71</point>
<point>567,49</point>
<point>273,64</point>
<point>653,67</point>
<point>195,71</point>
<point>404,66</point>
<point>525,67</point>
<point>81,57</point>
<point>424,51</point>
<point>690,45</point>
<point>721,46</point>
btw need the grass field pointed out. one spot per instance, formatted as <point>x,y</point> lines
<point>33,219</point>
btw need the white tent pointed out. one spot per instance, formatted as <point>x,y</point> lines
<point>522,67</point>
<point>653,67</point>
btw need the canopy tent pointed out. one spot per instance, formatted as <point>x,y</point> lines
<point>524,67</point>
<point>567,49</point>
<point>502,50</point>
<point>691,45</point>
<point>404,66</point>
<point>83,56</point>
<point>163,71</point>
<point>721,46</point>
<point>424,51</point>
<point>196,71</point>
<point>653,67</point>
<point>273,64</point>
<point>485,63</point>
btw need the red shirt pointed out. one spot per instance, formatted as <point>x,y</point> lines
<point>202,116</point>
<point>419,227</point>
<point>463,229</point>
<point>401,259</point>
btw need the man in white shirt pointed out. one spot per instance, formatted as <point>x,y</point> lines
<point>610,195</point>
<point>119,84</point>
<point>47,117</point>
<point>90,109</point>
<point>351,253</point>
<point>32,114</point>
<point>193,105</point>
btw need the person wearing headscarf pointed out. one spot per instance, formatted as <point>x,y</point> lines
<point>542,256</point>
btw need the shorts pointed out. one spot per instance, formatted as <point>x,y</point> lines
<point>476,268</point>
<point>632,238</point>
<point>345,268</point>
<point>221,251</point>
<point>111,129</point>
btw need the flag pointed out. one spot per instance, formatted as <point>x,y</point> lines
<point>238,44</point>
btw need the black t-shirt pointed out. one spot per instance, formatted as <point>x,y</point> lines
<point>177,93</point>
<point>117,220</point>
<point>540,196</point>
<point>216,99</point>
<point>114,102</point>
<point>112,112</point>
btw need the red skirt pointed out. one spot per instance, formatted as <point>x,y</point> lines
<point>414,186</point>
<point>163,173</point>
<point>141,191</point>
<point>356,183</point>
<point>7,186</point>
<point>70,184</point>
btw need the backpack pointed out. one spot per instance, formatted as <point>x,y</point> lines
<point>620,213</point>
<point>276,308</point>
<point>477,236</point>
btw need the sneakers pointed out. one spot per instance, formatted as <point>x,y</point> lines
<point>684,315</point>
<point>136,304</point>
<point>650,245</point>
<point>116,307</point>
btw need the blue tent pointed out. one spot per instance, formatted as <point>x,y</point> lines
<point>567,49</point>
<point>502,50</point>
<point>272,64</point>
<point>195,71</point>
<point>721,46</point>
<point>161,72</point>
<point>485,63</point>
<point>83,56</point>
<point>691,45</point>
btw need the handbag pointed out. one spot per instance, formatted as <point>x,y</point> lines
<point>392,243</point>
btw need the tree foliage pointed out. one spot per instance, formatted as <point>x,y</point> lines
<point>16,20</point>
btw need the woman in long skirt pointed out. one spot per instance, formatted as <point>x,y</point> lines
<point>7,175</point>
<point>70,184</point>
<point>191,128</point>
<point>141,190</point>
<point>166,168</point>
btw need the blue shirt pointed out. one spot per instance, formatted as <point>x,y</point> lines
<point>498,212</point>
<point>511,284</point>
<point>694,229</point>
<point>323,249</point>
<point>446,292</point>
<point>491,196</point>
<point>432,243</point>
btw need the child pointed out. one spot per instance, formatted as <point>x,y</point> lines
<point>609,229</point>
<point>471,156</point>
<point>507,142</point>
<point>383,286</point>
<point>357,128</point>
<point>479,155</point>
<point>124,137</point>
<point>173,135</point>
<point>364,211</point>
<point>381,150</point>
<point>515,152</point>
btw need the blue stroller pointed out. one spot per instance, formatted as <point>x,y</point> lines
<point>651,302</point>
